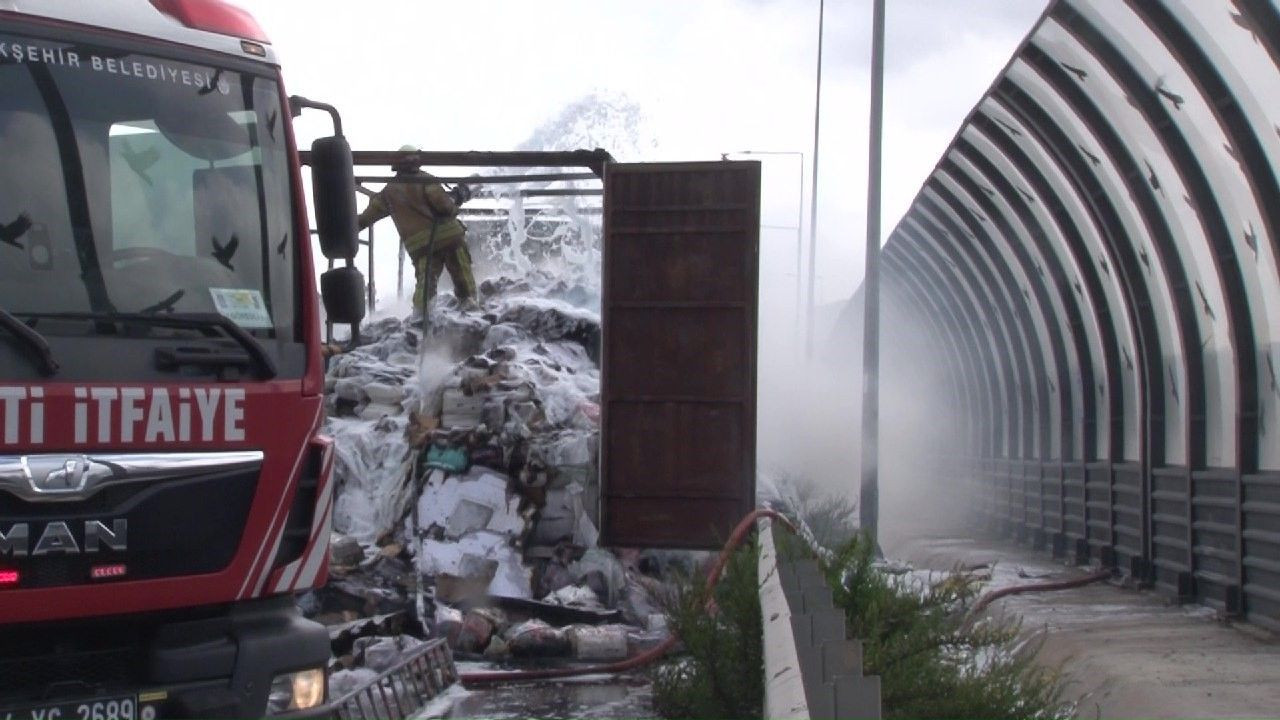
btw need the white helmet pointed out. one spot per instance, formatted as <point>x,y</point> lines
<point>406,166</point>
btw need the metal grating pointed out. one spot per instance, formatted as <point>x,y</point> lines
<point>1214,541</point>
<point>1097,508</point>
<point>1051,489</point>
<point>1074,519</point>
<point>402,690</point>
<point>1261,540</point>
<point>1034,491</point>
<point>1127,518</point>
<point>1169,532</point>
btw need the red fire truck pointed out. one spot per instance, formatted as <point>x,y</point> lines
<point>163,486</point>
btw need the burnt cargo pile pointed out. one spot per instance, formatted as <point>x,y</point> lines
<point>467,499</point>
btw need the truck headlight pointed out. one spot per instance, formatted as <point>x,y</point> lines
<point>301,690</point>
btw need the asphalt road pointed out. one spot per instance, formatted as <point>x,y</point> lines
<point>1130,653</point>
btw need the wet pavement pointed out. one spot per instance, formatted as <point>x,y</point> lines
<point>1128,653</point>
<point>592,696</point>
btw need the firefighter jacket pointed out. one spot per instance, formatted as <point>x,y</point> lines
<point>415,208</point>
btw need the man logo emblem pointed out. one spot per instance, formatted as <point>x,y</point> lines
<point>66,474</point>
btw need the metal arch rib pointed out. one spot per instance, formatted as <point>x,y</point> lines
<point>31,477</point>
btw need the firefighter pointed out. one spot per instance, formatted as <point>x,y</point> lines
<point>425,216</point>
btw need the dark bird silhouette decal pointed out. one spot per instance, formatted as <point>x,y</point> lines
<point>1172,97</point>
<point>10,233</point>
<point>284,244</point>
<point>1092,158</point>
<point>271,123</point>
<point>1146,260</point>
<point>1251,239</point>
<point>1030,198</point>
<point>165,305</point>
<point>1234,155</point>
<point>1204,302</point>
<point>1015,131</point>
<point>1128,359</point>
<point>1080,73</point>
<point>1102,263</point>
<point>1239,19</point>
<point>1173,386</point>
<point>224,253</point>
<point>1151,177</point>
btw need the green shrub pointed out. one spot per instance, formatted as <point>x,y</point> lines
<point>720,672</point>
<point>829,516</point>
<point>931,662</point>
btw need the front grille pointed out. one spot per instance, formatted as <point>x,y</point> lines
<point>83,658</point>
<point>186,526</point>
<point>96,671</point>
<point>37,666</point>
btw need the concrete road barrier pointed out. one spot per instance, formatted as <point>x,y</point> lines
<point>812,669</point>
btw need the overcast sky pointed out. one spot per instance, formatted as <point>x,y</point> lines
<point>709,77</point>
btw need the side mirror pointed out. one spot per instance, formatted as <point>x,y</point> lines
<point>342,291</point>
<point>333,185</point>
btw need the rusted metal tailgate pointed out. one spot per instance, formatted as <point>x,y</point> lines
<point>681,261</point>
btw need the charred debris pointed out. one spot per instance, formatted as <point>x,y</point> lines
<point>467,497</point>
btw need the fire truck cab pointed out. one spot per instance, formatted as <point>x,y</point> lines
<point>164,488</point>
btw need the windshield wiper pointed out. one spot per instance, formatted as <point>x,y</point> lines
<point>165,305</point>
<point>266,366</point>
<point>32,339</point>
<point>200,321</point>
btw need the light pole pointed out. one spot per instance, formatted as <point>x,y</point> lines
<point>869,492</point>
<point>799,218</point>
<point>813,190</point>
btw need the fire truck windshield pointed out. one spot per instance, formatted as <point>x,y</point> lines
<point>133,183</point>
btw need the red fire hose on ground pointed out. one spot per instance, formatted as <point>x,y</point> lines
<point>994,595</point>
<point>640,660</point>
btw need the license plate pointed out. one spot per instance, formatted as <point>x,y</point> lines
<point>110,708</point>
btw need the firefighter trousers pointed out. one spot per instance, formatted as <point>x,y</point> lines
<point>457,260</point>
